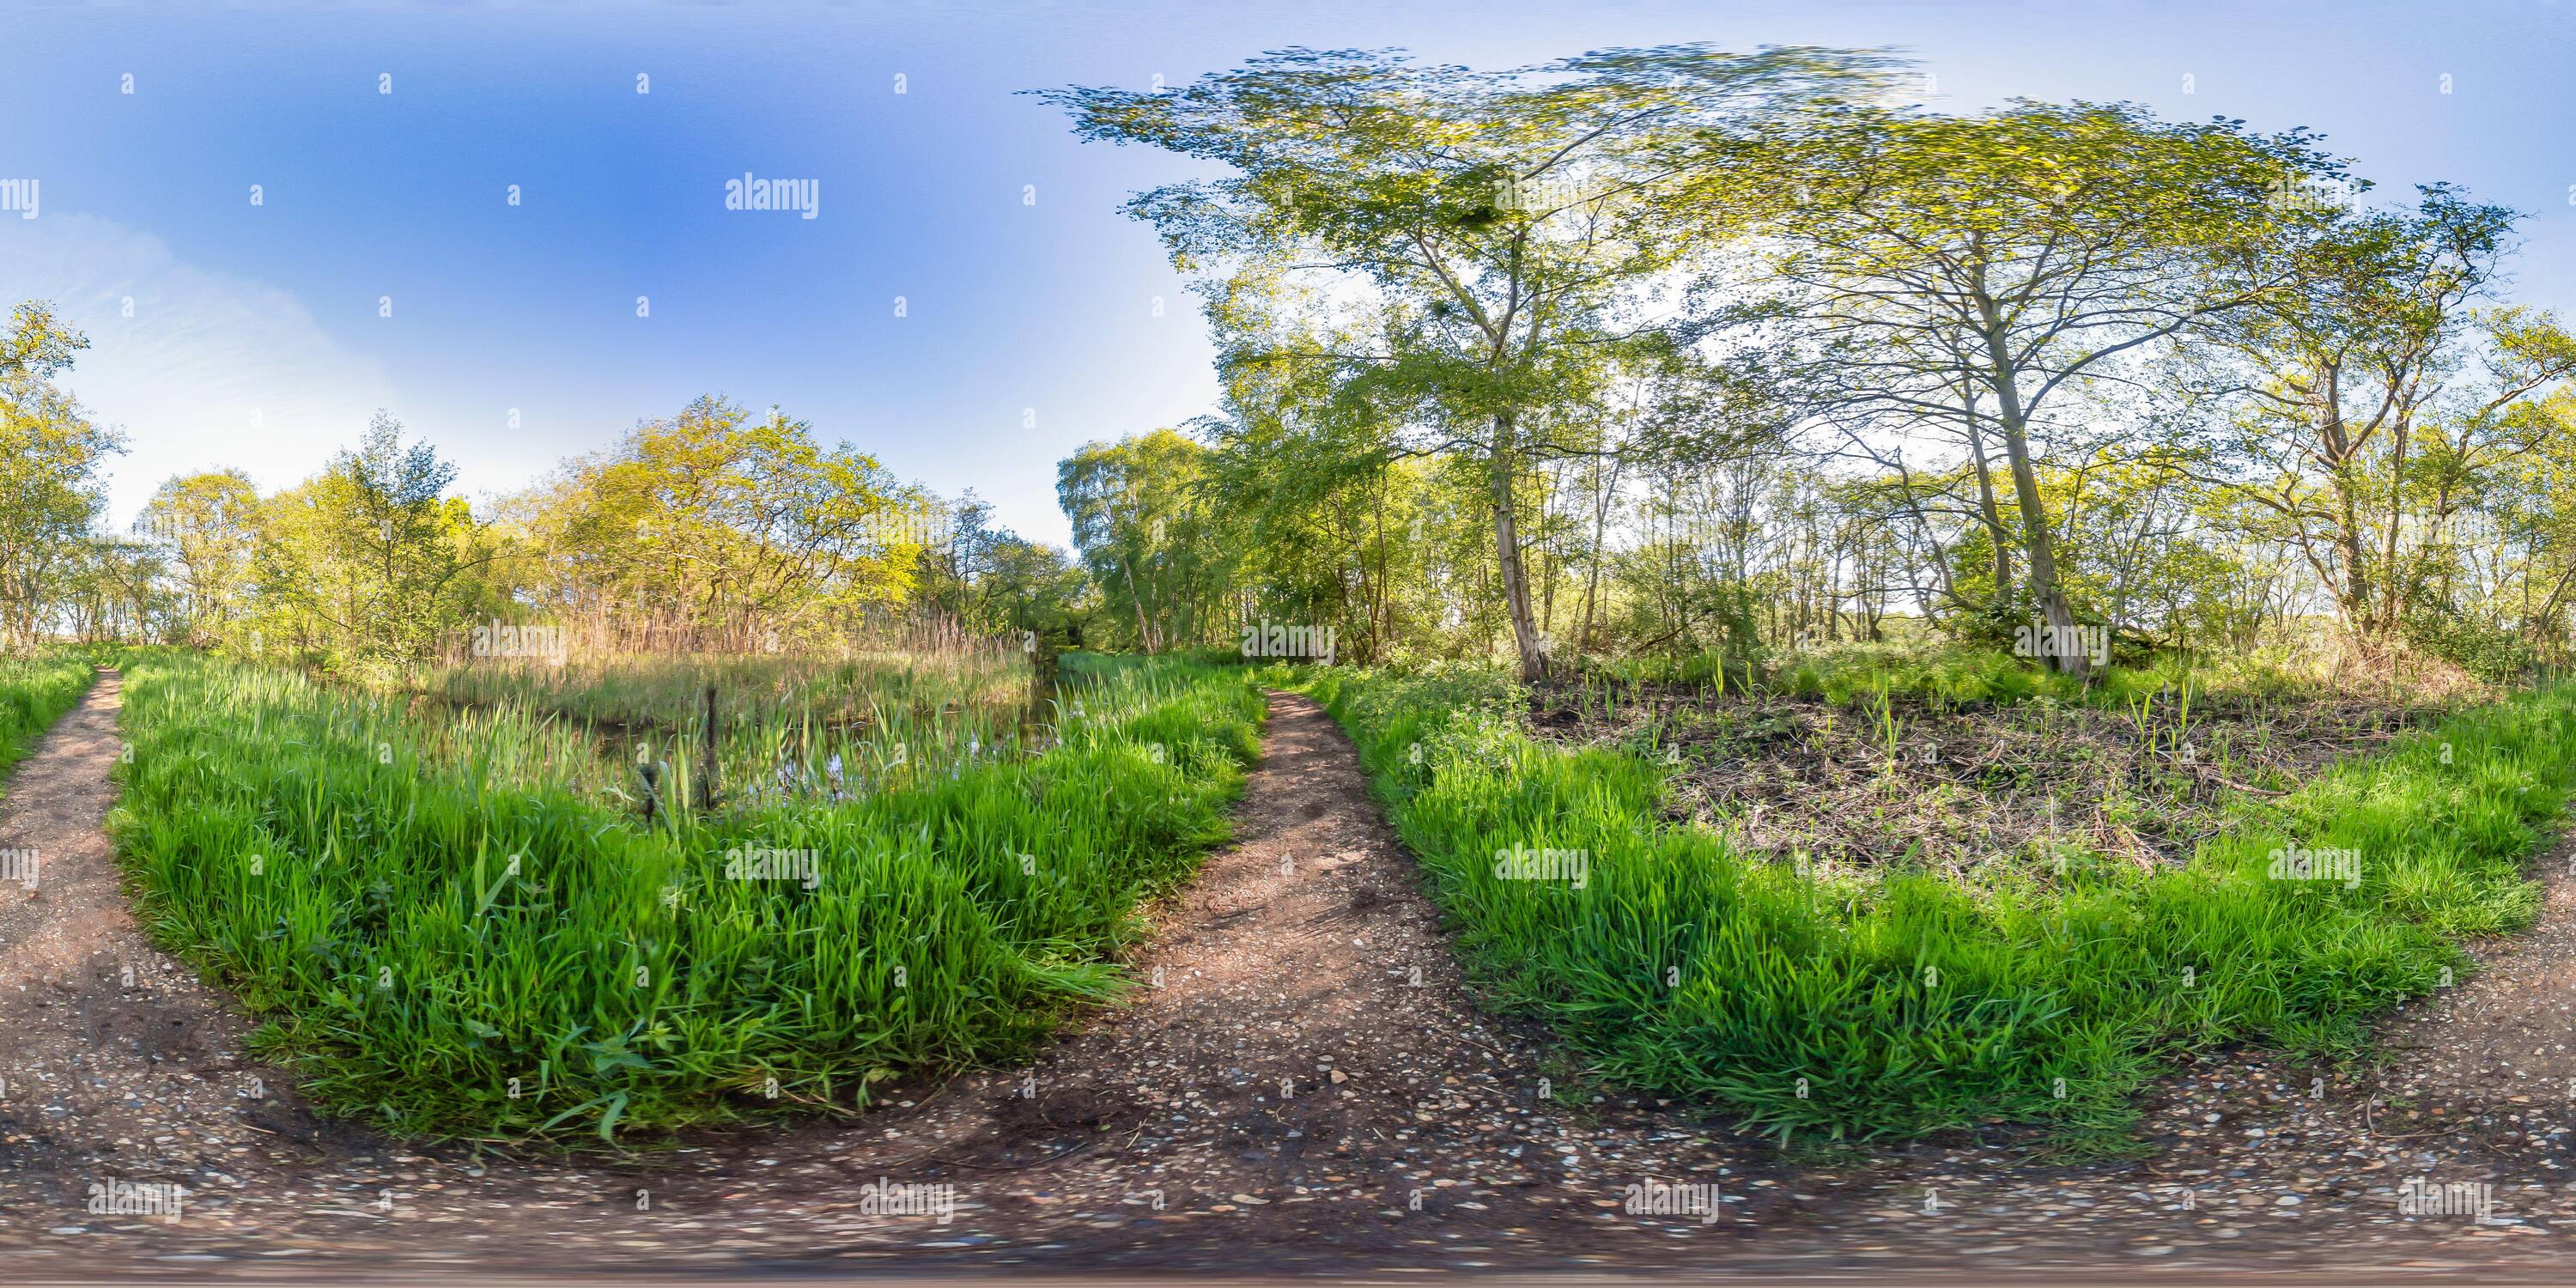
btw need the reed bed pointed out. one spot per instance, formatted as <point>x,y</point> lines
<point>789,727</point>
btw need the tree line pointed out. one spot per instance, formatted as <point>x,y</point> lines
<point>1679,351</point>
<point>1668,352</point>
<point>714,529</point>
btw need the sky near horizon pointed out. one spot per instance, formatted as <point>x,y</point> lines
<point>384,265</point>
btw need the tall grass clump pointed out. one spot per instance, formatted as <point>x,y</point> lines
<point>446,944</point>
<point>1903,1003</point>
<point>35,690</point>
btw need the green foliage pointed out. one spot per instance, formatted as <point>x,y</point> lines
<point>1407,259</point>
<point>719,519</point>
<point>2488,652</point>
<point>992,582</point>
<point>310,847</point>
<point>52,458</point>
<point>1148,537</point>
<point>208,524</point>
<point>35,691</point>
<point>368,564</point>
<point>1903,1004</point>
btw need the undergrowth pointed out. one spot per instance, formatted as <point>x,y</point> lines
<point>1902,1003</point>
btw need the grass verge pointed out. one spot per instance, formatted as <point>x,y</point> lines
<point>35,691</point>
<point>1900,1003</point>
<point>447,947</point>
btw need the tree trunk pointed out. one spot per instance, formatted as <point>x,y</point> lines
<point>2038,547</point>
<point>1507,556</point>
<point>1600,524</point>
<point>1144,630</point>
<point>2390,610</point>
<point>1996,535</point>
<point>2356,596</point>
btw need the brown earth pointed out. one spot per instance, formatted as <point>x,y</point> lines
<point>1309,1089</point>
<point>1954,787</point>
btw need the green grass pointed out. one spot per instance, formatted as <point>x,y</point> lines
<point>1904,1004</point>
<point>353,879</point>
<point>35,691</point>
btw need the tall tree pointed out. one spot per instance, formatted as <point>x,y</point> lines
<point>1503,229</point>
<point>1983,269</point>
<point>1147,535</point>
<point>2373,347</point>
<point>36,345</point>
<point>51,456</point>
<point>719,523</point>
<point>204,525</point>
<point>990,581</point>
<point>370,561</point>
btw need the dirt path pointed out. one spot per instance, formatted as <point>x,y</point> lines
<point>1308,1089</point>
<point>117,1061</point>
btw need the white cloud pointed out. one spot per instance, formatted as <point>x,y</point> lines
<point>211,371</point>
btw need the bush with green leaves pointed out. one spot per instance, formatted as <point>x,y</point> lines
<point>2491,653</point>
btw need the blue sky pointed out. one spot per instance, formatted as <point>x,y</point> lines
<point>256,337</point>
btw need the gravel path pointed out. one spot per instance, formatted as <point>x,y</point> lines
<point>1305,1086</point>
